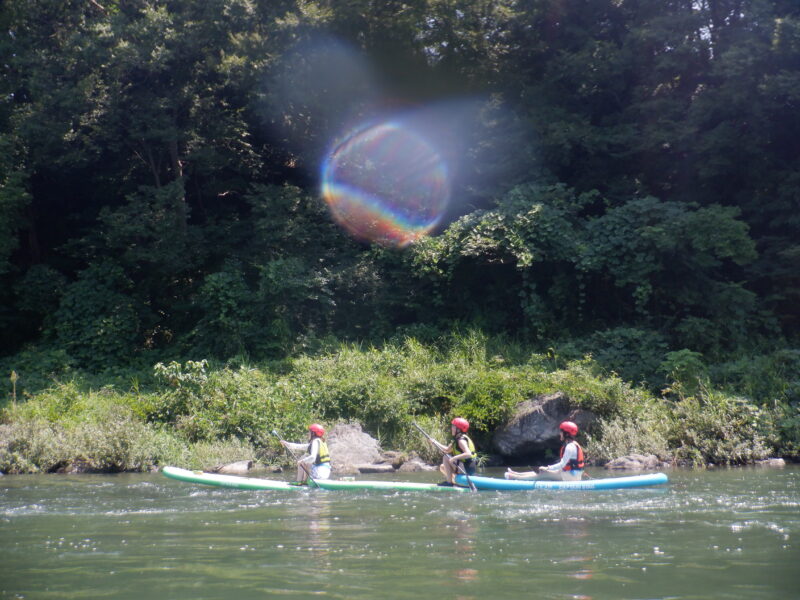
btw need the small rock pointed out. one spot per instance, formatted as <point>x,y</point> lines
<point>415,465</point>
<point>395,458</point>
<point>375,468</point>
<point>346,469</point>
<point>238,468</point>
<point>76,467</point>
<point>775,463</point>
<point>634,462</point>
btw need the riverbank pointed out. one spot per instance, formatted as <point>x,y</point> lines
<point>196,414</point>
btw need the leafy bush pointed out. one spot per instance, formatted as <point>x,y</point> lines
<point>686,368</point>
<point>717,428</point>
<point>244,403</point>
<point>583,383</point>
<point>96,321</point>
<point>633,354</point>
<point>640,429</point>
<point>226,306</point>
<point>364,386</point>
<point>112,440</point>
<point>36,368</point>
<point>192,411</point>
<point>206,454</point>
<point>765,379</point>
<point>787,422</point>
<point>31,446</point>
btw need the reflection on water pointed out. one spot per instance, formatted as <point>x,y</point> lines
<point>319,529</point>
<point>708,535</point>
<point>465,531</point>
<point>576,530</point>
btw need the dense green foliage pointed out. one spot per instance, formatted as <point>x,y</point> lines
<point>200,415</point>
<point>632,193</point>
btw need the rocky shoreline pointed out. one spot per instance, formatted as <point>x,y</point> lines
<point>355,452</point>
<point>526,437</point>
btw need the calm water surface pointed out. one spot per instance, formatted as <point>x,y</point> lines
<point>708,534</point>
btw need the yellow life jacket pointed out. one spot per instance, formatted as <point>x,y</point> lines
<point>457,448</point>
<point>323,457</point>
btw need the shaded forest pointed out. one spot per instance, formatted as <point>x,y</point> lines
<point>624,177</point>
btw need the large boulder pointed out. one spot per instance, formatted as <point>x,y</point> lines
<point>351,448</point>
<point>533,428</point>
<point>635,462</point>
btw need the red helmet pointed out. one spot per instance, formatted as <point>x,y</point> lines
<point>317,429</point>
<point>569,428</point>
<point>461,424</point>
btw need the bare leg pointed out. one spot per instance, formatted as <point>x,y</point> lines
<point>447,470</point>
<point>541,475</point>
<point>301,474</point>
<point>511,474</point>
<point>549,475</point>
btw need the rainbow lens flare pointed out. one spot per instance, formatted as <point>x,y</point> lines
<point>386,184</point>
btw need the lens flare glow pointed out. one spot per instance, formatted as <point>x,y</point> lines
<point>386,184</point>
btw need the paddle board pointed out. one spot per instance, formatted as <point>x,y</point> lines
<point>230,481</point>
<point>253,483</point>
<point>399,486</point>
<point>609,483</point>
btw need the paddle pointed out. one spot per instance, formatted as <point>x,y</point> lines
<point>294,457</point>
<point>461,468</point>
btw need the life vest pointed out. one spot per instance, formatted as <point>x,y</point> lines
<point>323,456</point>
<point>457,449</point>
<point>573,463</point>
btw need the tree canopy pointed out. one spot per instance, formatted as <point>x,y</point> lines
<point>621,166</point>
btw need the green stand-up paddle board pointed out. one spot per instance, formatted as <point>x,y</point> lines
<point>395,486</point>
<point>253,483</point>
<point>229,481</point>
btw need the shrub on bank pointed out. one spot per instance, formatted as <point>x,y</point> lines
<point>713,427</point>
<point>117,442</point>
<point>198,415</point>
<point>641,428</point>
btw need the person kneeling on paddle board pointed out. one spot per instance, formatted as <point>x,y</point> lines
<point>462,450</point>
<point>317,461</point>
<point>569,468</point>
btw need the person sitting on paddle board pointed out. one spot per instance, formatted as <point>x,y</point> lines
<point>317,460</point>
<point>569,468</point>
<point>462,450</point>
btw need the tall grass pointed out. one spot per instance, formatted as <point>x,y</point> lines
<point>198,414</point>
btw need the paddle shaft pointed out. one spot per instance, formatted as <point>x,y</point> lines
<point>460,466</point>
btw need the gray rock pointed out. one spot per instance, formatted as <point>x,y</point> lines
<point>415,465</point>
<point>375,468</point>
<point>393,457</point>
<point>775,463</point>
<point>238,468</point>
<point>635,462</point>
<point>350,446</point>
<point>534,426</point>
<point>77,467</point>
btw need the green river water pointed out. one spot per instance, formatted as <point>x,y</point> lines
<point>732,533</point>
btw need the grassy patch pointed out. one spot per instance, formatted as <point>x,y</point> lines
<point>198,414</point>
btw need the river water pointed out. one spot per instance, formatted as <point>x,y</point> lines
<point>732,533</point>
